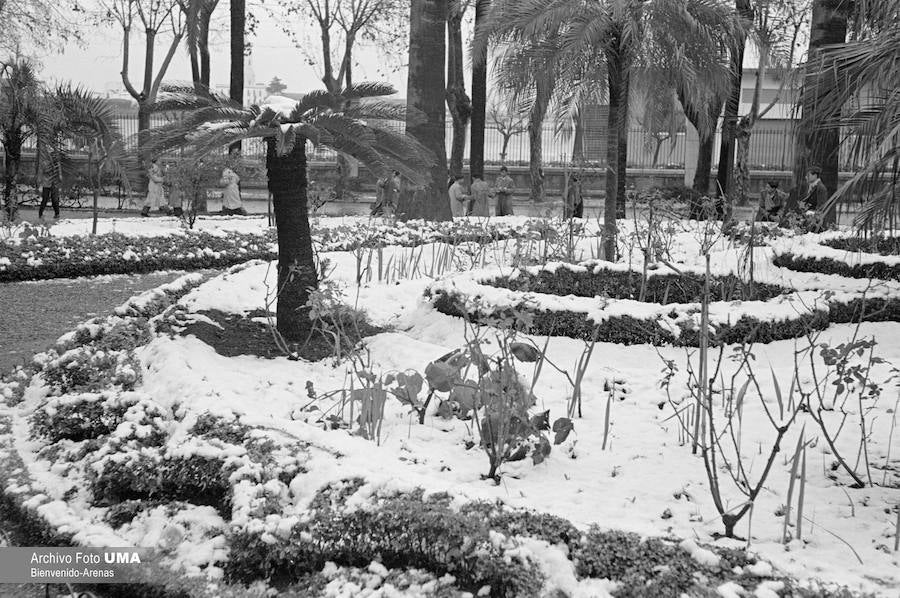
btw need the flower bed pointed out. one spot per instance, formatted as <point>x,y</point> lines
<point>840,255</point>
<point>37,257</point>
<point>594,299</point>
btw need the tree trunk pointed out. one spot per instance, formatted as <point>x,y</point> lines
<point>143,153</point>
<point>13,147</point>
<point>203,46</point>
<point>729,120</point>
<point>578,141</point>
<point>742,175</point>
<point>425,93</point>
<point>236,76</point>
<point>612,160</point>
<point>479,100</point>
<point>457,101</point>
<point>622,134</point>
<point>818,146</point>
<point>296,264</point>
<point>543,89</point>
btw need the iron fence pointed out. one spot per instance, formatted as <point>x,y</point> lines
<point>771,146</point>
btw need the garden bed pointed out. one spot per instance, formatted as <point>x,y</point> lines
<point>212,492</point>
<point>596,300</point>
<point>31,254</point>
<point>840,255</point>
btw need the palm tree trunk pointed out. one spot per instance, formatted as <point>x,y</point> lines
<point>12,144</point>
<point>479,100</point>
<point>457,101</point>
<point>543,90</point>
<point>425,94</point>
<point>203,46</point>
<point>818,146</point>
<point>578,141</point>
<point>622,149</point>
<point>296,264</point>
<point>729,120</point>
<point>742,176</point>
<point>612,161</point>
<point>236,77</point>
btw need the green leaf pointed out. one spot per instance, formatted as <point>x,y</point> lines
<point>440,376</point>
<point>561,429</point>
<point>525,352</point>
<point>541,421</point>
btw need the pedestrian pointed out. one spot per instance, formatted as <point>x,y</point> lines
<point>771,203</point>
<point>817,196</point>
<point>231,196</point>
<point>459,199</point>
<point>574,204</point>
<point>504,187</point>
<point>46,182</point>
<point>156,196</point>
<point>382,190</point>
<point>480,204</point>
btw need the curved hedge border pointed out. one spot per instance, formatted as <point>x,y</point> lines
<point>827,265</point>
<point>41,258</point>
<point>535,312</point>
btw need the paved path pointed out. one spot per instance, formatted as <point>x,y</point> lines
<point>34,314</point>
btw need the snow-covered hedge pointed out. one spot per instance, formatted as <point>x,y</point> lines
<point>836,253</point>
<point>567,300</point>
<point>68,257</point>
<point>44,257</point>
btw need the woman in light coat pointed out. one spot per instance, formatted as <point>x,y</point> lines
<point>156,197</point>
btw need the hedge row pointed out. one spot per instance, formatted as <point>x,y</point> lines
<point>37,258</point>
<point>825,265</point>
<point>663,288</point>
<point>626,330</point>
<point>880,244</point>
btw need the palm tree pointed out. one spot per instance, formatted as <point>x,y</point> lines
<point>625,35</point>
<point>90,122</point>
<point>345,121</point>
<point>22,116</point>
<point>479,99</point>
<point>426,85</point>
<point>857,89</point>
<point>817,145</point>
<point>236,72</point>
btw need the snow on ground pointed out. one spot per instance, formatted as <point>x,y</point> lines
<point>644,481</point>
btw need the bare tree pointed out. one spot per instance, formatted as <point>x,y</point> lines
<point>508,125</point>
<point>38,23</point>
<point>197,17</point>
<point>776,26</point>
<point>342,25</point>
<point>156,19</point>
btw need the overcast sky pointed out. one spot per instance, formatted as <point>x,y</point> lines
<point>98,64</point>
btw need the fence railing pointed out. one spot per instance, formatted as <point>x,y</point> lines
<point>770,149</point>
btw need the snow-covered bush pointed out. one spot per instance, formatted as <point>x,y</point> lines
<point>400,531</point>
<point>93,415</point>
<point>85,369</point>
<point>826,265</point>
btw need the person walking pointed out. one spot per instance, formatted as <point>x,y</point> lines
<point>459,199</point>
<point>156,197</point>
<point>480,204</point>
<point>817,196</point>
<point>231,196</point>
<point>771,202</point>
<point>574,204</point>
<point>503,190</point>
<point>382,190</point>
<point>46,182</point>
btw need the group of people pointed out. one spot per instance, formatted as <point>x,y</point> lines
<point>477,201</point>
<point>773,202</point>
<point>232,205</point>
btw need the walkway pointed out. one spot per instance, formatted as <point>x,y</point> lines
<point>34,314</point>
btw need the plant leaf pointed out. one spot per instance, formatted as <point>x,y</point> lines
<point>525,352</point>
